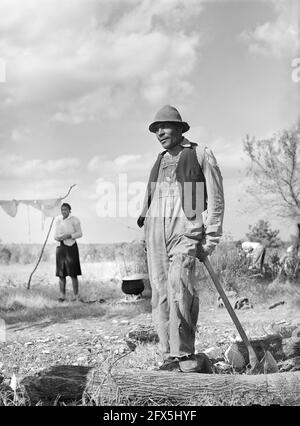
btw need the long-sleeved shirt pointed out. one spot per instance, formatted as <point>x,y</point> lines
<point>214,215</point>
<point>71,225</point>
<point>166,202</point>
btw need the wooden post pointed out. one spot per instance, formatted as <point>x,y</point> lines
<point>41,254</point>
<point>44,245</point>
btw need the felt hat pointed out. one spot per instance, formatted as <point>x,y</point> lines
<point>168,114</point>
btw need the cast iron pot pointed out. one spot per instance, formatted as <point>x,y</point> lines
<point>134,287</point>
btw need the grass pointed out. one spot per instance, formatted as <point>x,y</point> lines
<point>144,356</point>
<point>37,313</point>
<point>17,304</point>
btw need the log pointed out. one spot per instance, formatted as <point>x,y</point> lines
<point>139,387</point>
<point>270,342</point>
<point>65,381</point>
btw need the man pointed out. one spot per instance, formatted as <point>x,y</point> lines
<point>67,230</point>
<point>290,260</point>
<point>255,252</point>
<point>183,215</point>
<point>293,249</point>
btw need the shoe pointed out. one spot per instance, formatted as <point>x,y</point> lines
<point>199,363</point>
<point>170,364</point>
<point>189,364</point>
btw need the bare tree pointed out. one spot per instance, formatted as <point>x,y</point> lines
<point>275,172</point>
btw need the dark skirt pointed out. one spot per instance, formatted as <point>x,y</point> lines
<point>67,261</point>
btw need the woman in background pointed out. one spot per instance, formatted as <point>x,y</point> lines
<point>67,230</point>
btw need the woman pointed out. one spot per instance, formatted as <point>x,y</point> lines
<point>68,229</point>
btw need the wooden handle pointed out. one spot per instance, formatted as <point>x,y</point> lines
<point>226,302</point>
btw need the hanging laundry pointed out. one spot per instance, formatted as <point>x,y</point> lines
<point>32,203</point>
<point>49,207</point>
<point>10,207</point>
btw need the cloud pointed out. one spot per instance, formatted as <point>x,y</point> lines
<point>127,160</point>
<point>15,167</point>
<point>230,157</point>
<point>279,37</point>
<point>133,165</point>
<point>84,60</point>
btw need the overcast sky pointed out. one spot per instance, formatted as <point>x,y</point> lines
<point>84,79</point>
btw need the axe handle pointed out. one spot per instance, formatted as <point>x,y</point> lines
<point>252,355</point>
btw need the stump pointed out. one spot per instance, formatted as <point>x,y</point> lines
<point>141,387</point>
<point>271,343</point>
<point>65,381</point>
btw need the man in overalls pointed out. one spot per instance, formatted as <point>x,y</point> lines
<point>183,215</point>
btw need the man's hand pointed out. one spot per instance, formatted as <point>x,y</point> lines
<point>140,222</point>
<point>203,251</point>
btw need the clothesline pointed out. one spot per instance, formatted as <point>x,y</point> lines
<point>49,207</point>
<point>58,201</point>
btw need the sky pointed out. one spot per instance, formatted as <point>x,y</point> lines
<point>84,79</point>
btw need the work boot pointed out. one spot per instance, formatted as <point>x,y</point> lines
<point>75,298</point>
<point>199,363</point>
<point>189,364</point>
<point>170,364</point>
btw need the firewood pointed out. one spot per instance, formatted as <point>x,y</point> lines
<point>71,383</point>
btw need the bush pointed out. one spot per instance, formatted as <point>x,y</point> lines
<point>5,256</point>
<point>261,232</point>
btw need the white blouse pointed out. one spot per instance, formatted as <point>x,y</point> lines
<point>70,225</point>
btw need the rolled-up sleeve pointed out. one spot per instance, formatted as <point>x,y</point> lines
<point>213,217</point>
<point>78,232</point>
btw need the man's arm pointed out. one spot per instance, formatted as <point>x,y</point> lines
<point>215,199</point>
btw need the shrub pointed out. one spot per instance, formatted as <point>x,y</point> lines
<point>262,233</point>
<point>5,256</point>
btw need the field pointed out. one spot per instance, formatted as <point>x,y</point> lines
<point>41,332</point>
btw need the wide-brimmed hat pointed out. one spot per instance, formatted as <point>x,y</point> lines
<point>168,114</point>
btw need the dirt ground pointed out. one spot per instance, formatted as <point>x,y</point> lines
<point>40,332</point>
<point>88,341</point>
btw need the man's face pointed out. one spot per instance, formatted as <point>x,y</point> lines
<point>169,134</point>
<point>65,212</point>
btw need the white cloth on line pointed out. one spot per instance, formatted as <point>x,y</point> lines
<point>10,207</point>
